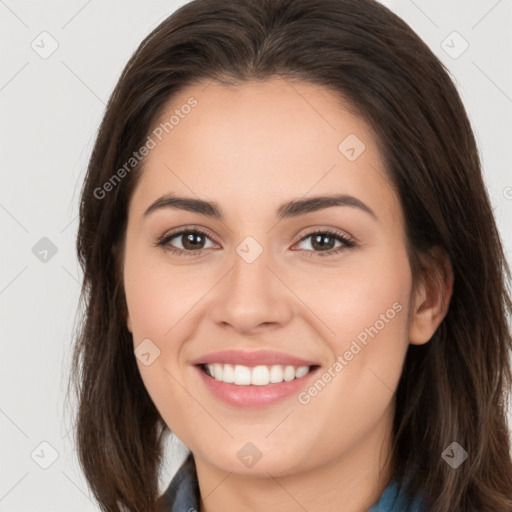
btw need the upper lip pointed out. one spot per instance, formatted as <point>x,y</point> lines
<point>255,358</point>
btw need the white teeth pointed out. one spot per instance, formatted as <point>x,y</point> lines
<point>301,371</point>
<point>276,374</point>
<point>257,375</point>
<point>217,371</point>
<point>289,373</point>
<point>242,375</point>
<point>260,376</point>
<point>228,374</point>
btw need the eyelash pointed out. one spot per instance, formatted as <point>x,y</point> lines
<point>347,243</point>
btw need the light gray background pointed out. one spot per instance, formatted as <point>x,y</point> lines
<point>51,108</point>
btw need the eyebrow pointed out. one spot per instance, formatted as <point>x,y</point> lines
<point>291,208</point>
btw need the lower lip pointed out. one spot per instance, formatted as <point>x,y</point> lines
<point>254,396</point>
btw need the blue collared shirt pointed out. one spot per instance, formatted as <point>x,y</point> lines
<point>182,495</point>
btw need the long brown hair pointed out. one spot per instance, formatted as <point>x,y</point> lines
<point>455,387</point>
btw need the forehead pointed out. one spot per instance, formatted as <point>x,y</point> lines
<point>262,141</point>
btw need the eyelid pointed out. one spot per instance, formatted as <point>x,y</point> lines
<point>325,229</point>
<point>192,227</point>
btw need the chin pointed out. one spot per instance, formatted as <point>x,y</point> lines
<point>257,460</point>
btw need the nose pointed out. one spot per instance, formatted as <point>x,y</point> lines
<point>252,298</point>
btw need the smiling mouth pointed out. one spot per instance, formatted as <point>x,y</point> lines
<point>261,375</point>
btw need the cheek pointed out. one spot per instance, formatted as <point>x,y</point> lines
<point>354,298</point>
<point>366,312</point>
<point>157,300</point>
<point>156,295</point>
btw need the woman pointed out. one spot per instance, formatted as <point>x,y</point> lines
<point>290,261</point>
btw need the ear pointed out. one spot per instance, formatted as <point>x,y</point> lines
<point>432,297</point>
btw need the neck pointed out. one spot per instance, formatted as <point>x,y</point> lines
<point>350,482</point>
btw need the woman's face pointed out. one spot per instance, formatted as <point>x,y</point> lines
<point>266,277</point>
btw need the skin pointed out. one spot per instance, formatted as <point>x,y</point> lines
<point>250,148</point>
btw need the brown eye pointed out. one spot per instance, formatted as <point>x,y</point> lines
<point>192,242</point>
<point>323,243</point>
